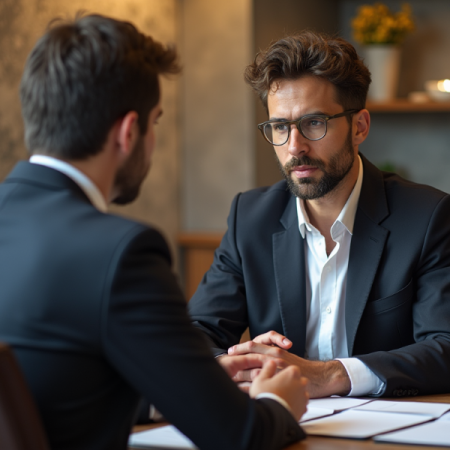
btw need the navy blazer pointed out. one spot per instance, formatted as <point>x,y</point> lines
<point>97,320</point>
<point>397,306</point>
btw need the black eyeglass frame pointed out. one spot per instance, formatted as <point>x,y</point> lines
<point>297,123</point>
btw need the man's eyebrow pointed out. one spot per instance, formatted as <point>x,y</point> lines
<point>314,113</point>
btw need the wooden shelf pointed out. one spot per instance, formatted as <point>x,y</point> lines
<point>405,106</point>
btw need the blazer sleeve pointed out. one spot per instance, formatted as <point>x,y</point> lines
<point>149,339</point>
<point>423,367</point>
<point>219,307</point>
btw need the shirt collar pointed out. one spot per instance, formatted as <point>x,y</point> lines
<point>347,214</point>
<point>85,183</point>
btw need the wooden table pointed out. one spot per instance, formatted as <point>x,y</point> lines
<point>326,443</point>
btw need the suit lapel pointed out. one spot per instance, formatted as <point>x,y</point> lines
<point>366,248</point>
<point>289,268</point>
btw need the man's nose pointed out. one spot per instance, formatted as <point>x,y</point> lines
<point>297,143</point>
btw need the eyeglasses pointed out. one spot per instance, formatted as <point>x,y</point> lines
<point>311,126</point>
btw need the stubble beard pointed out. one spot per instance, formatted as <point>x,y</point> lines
<point>333,173</point>
<point>131,175</point>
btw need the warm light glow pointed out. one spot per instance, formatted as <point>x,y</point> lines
<point>444,85</point>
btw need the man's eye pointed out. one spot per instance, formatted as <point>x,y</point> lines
<point>280,127</point>
<point>313,122</point>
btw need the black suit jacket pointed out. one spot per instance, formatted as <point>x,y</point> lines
<point>397,308</point>
<point>97,320</point>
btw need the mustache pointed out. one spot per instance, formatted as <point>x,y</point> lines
<point>303,161</point>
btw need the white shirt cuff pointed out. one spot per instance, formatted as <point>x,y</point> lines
<point>362,379</point>
<point>275,397</point>
<point>155,415</point>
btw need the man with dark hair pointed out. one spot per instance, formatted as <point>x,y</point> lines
<point>340,269</point>
<point>88,301</point>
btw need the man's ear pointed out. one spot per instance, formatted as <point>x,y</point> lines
<point>361,120</point>
<point>128,133</point>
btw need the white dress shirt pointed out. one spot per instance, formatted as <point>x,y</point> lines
<point>326,283</point>
<point>85,183</point>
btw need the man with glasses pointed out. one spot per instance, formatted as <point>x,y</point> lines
<point>340,269</point>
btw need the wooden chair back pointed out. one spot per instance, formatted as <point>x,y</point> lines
<point>20,424</point>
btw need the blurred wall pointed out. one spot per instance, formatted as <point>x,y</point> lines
<point>22,22</point>
<point>216,110</point>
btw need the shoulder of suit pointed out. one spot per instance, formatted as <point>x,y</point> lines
<point>279,189</point>
<point>395,184</point>
<point>269,200</point>
<point>114,228</point>
<point>265,205</point>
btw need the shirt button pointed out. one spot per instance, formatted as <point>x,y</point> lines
<point>328,310</point>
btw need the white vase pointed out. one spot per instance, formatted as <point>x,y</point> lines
<point>383,62</point>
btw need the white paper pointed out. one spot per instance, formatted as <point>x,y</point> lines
<point>321,407</point>
<point>167,437</point>
<point>361,424</point>
<point>432,409</point>
<point>337,403</point>
<point>433,433</point>
<point>445,417</point>
<point>315,413</point>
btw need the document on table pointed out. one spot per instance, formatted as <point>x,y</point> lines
<point>432,433</point>
<point>167,438</point>
<point>432,409</point>
<point>345,418</point>
<point>322,407</point>
<point>356,424</point>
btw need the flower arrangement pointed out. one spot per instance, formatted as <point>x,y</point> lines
<point>376,24</point>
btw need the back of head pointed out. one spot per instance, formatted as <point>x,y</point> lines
<point>316,54</point>
<point>84,75</point>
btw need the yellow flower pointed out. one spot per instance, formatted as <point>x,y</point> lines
<point>376,24</point>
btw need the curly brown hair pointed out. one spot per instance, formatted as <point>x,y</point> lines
<point>311,53</point>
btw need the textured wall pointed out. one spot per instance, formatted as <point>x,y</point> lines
<point>217,110</point>
<point>22,22</point>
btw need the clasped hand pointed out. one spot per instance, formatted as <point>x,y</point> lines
<point>325,378</point>
<point>287,384</point>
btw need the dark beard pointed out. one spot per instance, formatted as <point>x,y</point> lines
<point>338,167</point>
<point>130,177</point>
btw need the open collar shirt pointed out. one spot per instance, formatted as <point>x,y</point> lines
<point>326,283</point>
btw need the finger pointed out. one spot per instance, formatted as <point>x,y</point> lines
<point>281,364</point>
<point>268,371</point>
<point>251,364</point>
<point>289,374</point>
<point>246,375</point>
<point>254,347</point>
<point>251,374</point>
<point>273,338</point>
<point>244,386</point>
<point>234,364</point>
<point>305,384</point>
